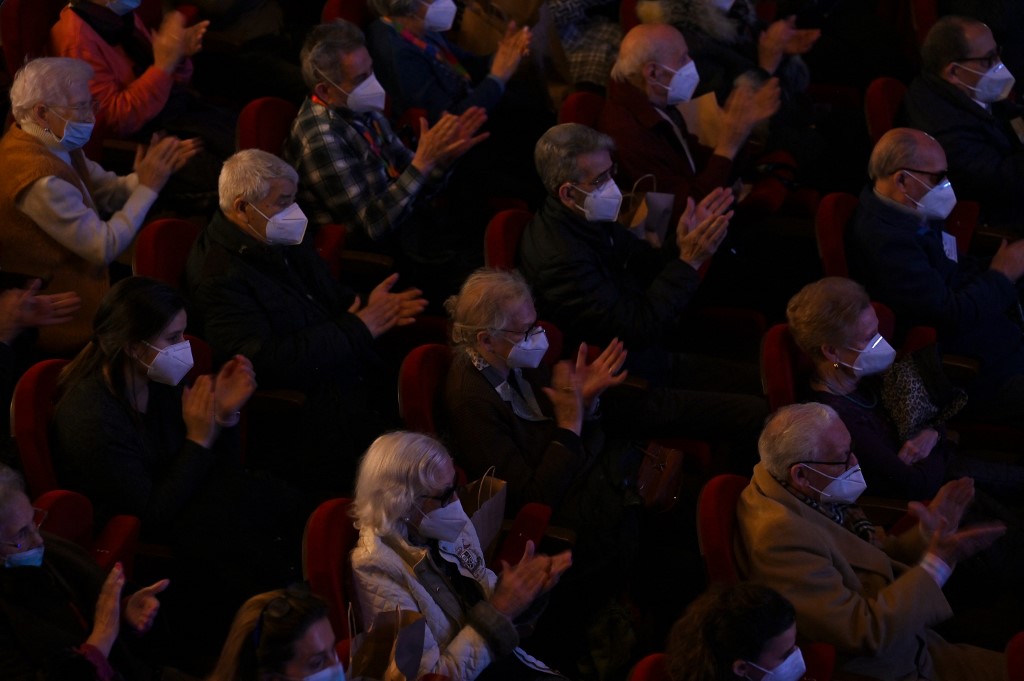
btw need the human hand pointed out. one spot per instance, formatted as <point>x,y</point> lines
<point>700,242</point>
<point>169,42</point>
<point>946,509</point>
<point>1009,260</point>
<point>185,151</point>
<point>194,38</point>
<point>197,407</point>
<point>511,50</point>
<point>717,202</point>
<point>557,565</point>
<point>602,373</point>
<point>918,447</point>
<point>155,163</point>
<point>748,104</point>
<point>385,310</point>
<point>450,137</point>
<point>954,546</point>
<point>24,308</point>
<point>234,385</point>
<point>521,583</point>
<point>107,618</point>
<point>566,397</point>
<point>143,605</point>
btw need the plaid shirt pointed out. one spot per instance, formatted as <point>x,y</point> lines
<point>353,169</point>
<point>591,42</point>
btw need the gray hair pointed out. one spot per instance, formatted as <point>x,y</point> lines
<point>557,151</point>
<point>484,302</point>
<point>634,53</point>
<point>46,80</point>
<point>793,434</point>
<point>11,485</point>
<point>393,8</point>
<point>396,469</point>
<point>324,46</point>
<point>945,43</point>
<point>247,175</point>
<point>824,313</point>
<point>896,149</point>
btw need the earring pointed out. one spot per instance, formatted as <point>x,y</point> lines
<point>835,365</point>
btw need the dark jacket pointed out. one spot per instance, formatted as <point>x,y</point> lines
<point>900,259</point>
<point>985,155</point>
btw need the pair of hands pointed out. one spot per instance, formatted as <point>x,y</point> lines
<point>164,155</point>
<point>940,523</point>
<point>574,388</point>
<point>918,447</point>
<point>532,576</point>
<point>703,226</point>
<point>782,38</point>
<point>385,310</point>
<point>511,49</point>
<point>449,138</point>
<point>139,612</point>
<point>25,308</point>
<point>172,42</point>
<point>217,398</point>
<point>748,104</point>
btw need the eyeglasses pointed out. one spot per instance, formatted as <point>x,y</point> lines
<point>845,463</point>
<point>18,540</point>
<point>87,109</point>
<point>602,178</point>
<point>940,175</point>
<point>445,497</point>
<point>278,607</point>
<point>993,57</point>
<point>532,331</point>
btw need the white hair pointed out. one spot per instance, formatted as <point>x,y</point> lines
<point>484,302</point>
<point>247,175</point>
<point>396,469</point>
<point>46,80</point>
<point>793,434</point>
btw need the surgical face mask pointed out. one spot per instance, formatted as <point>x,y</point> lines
<point>683,83</point>
<point>286,228</point>
<point>30,558</point>
<point>76,133</point>
<point>333,673</point>
<point>527,353</point>
<point>994,85</point>
<point>938,202</point>
<point>122,7</point>
<point>440,15</point>
<point>602,204</point>
<point>847,488</point>
<point>171,363</point>
<point>874,358</point>
<point>444,523</point>
<point>725,6</point>
<point>366,97</point>
<point>791,669</point>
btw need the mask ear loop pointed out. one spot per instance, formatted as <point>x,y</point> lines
<point>480,490</point>
<point>351,633</point>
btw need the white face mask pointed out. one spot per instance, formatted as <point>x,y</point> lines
<point>847,488</point>
<point>366,97</point>
<point>602,204</point>
<point>683,83</point>
<point>994,85</point>
<point>440,15</point>
<point>528,353</point>
<point>444,523</point>
<point>874,358</point>
<point>791,669</point>
<point>30,558</point>
<point>938,202</point>
<point>333,673</point>
<point>286,228</point>
<point>171,363</point>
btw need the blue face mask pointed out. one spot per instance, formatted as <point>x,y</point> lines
<point>122,7</point>
<point>30,558</point>
<point>76,133</point>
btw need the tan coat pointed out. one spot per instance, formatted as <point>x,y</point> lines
<point>875,609</point>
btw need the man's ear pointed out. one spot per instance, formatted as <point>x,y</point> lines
<point>948,72</point>
<point>829,351</point>
<point>323,91</point>
<point>649,71</point>
<point>565,195</point>
<point>740,668</point>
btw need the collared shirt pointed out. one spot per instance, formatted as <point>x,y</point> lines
<point>522,400</point>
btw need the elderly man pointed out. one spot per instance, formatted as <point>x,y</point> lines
<point>960,99</point>
<point>259,291</point>
<point>872,596</point>
<point>897,248</point>
<point>598,282</point>
<point>60,616</point>
<point>654,73</point>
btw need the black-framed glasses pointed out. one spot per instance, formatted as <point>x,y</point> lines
<point>602,178</point>
<point>845,463</point>
<point>993,57</point>
<point>278,607</point>
<point>445,497</point>
<point>18,540</point>
<point>942,175</point>
<point>530,332</point>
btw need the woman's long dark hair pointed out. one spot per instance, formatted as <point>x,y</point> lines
<point>134,310</point>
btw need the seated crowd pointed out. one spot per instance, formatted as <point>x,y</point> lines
<point>599,370</point>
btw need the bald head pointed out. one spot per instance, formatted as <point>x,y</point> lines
<point>905,164</point>
<point>650,53</point>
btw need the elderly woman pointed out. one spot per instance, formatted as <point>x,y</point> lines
<point>418,551</point>
<point>833,322</point>
<point>65,218</point>
<point>744,631</point>
<point>280,634</point>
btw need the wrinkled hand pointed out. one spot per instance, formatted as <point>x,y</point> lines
<point>511,50</point>
<point>107,618</point>
<point>198,410</point>
<point>234,385</point>
<point>1009,260</point>
<point>954,546</point>
<point>194,38</point>
<point>918,447</point>
<point>700,242</point>
<point>520,584</point>
<point>556,567</point>
<point>385,310</point>
<point>748,104</point>
<point>170,42</point>
<point>155,163</point>
<point>185,151</point>
<point>142,606</point>
<point>602,373</point>
<point>451,137</point>
<point>946,509</point>
<point>566,397</point>
<point>24,308</point>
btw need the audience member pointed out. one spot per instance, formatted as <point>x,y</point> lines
<point>354,169</point>
<point>60,616</point>
<point>590,33</point>
<point>419,552</point>
<point>874,597</point>
<point>280,634</point>
<point>897,248</point>
<point>65,218</point>
<point>961,99</point>
<point>1005,17</point>
<point>737,632</point>
<point>597,282</point>
<point>258,290</point>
